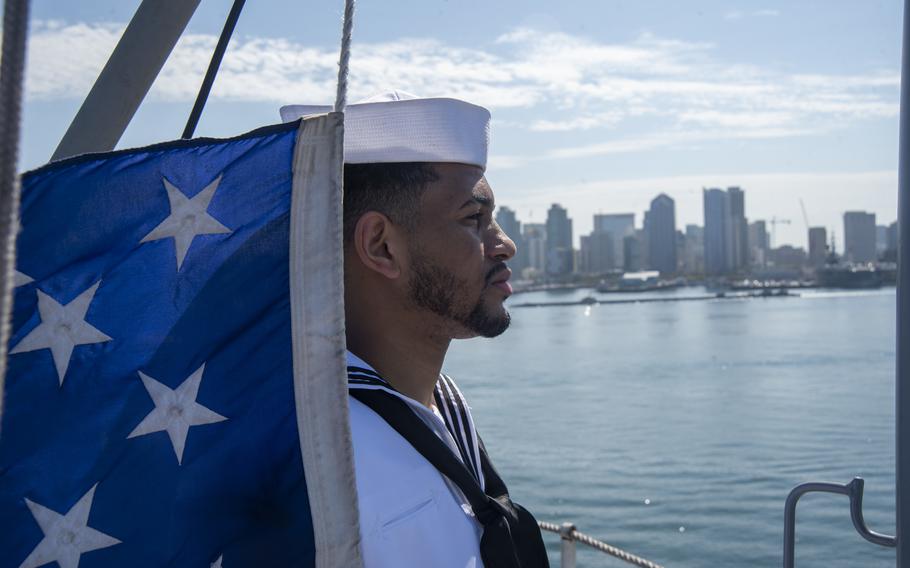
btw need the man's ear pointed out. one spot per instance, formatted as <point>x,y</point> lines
<point>379,244</point>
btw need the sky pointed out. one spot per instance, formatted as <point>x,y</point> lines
<point>598,105</point>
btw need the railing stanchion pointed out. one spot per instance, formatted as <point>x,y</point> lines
<point>568,545</point>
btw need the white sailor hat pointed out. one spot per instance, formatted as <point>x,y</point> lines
<point>401,127</point>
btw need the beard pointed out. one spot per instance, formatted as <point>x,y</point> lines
<point>442,292</point>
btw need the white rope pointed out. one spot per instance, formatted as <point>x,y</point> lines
<point>12,68</point>
<point>341,95</point>
<point>601,546</point>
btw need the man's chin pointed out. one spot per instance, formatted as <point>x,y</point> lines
<point>488,323</point>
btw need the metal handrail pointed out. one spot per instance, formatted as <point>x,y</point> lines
<point>853,490</point>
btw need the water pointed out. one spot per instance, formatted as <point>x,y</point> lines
<point>676,430</point>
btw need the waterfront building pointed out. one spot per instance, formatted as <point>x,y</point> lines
<point>511,226</point>
<point>787,256</point>
<point>632,252</point>
<point>739,228</point>
<point>560,256</point>
<point>859,236</point>
<point>718,227</point>
<point>758,244</point>
<point>660,234</point>
<point>534,236</point>
<point>597,253</point>
<point>881,239</point>
<point>619,226</point>
<point>694,247</point>
<point>818,246</point>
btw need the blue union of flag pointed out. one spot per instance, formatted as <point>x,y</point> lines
<point>150,414</point>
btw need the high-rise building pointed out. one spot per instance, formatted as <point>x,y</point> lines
<point>694,256</point>
<point>758,243</point>
<point>739,228</point>
<point>619,226</point>
<point>818,246</point>
<point>535,241</point>
<point>632,252</point>
<point>560,256</point>
<point>660,230</point>
<point>718,226</point>
<point>511,226</point>
<point>859,236</point>
<point>597,253</point>
<point>881,239</point>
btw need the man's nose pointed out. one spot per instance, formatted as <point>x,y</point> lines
<point>502,248</point>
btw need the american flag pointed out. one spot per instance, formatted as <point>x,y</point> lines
<point>149,414</point>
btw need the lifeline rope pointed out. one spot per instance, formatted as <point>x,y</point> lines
<point>12,67</point>
<point>602,546</point>
<point>341,95</point>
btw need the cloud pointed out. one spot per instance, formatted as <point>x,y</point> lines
<point>764,13</point>
<point>682,91</point>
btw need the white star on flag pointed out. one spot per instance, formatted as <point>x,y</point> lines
<point>66,537</point>
<point>21,279</point>
<point>188,219</point>
<point>176,410</point>
<point>217,562</point>
<point>62,328</point>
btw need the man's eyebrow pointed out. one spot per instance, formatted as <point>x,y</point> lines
<point>480,199</point>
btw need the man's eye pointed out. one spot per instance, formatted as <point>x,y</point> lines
<point>475,218</point>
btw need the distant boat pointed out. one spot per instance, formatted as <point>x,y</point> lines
<point>644,281</point>
<point>849,276</point>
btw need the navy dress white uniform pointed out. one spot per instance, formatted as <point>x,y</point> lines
<point>410,514</point>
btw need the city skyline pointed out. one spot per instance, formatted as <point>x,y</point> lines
<point>727,242</point>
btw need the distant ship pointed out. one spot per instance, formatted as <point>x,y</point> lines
<point>644,281</point>
<point>835,274</point>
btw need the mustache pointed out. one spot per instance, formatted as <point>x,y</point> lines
<point>497,268</point>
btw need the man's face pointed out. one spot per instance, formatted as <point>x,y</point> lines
<point>457,253</point>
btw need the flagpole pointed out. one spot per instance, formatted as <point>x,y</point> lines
<point>12,71</point>
<point>902,380</point>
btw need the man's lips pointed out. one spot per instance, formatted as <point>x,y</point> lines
<point>502,280</point>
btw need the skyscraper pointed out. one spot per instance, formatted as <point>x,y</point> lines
<point>597,252</point>
<point>534,236</point>
<point>560,257</point>
<point>818,246</point>
<point>758,243</point>
<point>739,228</point>
<point>661,234</point>
<point>881,239</point>
<point>694,257</point>
<point>718,249</point>
<point>619,226</point>
<point>859,236</point>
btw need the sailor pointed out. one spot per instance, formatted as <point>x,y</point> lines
<point>425,263</point>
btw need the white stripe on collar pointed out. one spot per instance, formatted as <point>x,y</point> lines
<point>453,410</point>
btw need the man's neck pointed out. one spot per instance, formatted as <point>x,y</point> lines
<point>410,364</point>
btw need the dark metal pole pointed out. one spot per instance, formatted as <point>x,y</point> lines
<point>212,71</point>
<point>902,380</point>
<point>12,71</point>
<point>127,77</point>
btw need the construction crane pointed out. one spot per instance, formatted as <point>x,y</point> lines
<point>805,217</point>
<point>774,222</point>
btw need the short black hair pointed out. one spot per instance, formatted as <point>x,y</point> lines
<point>393,189</point>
